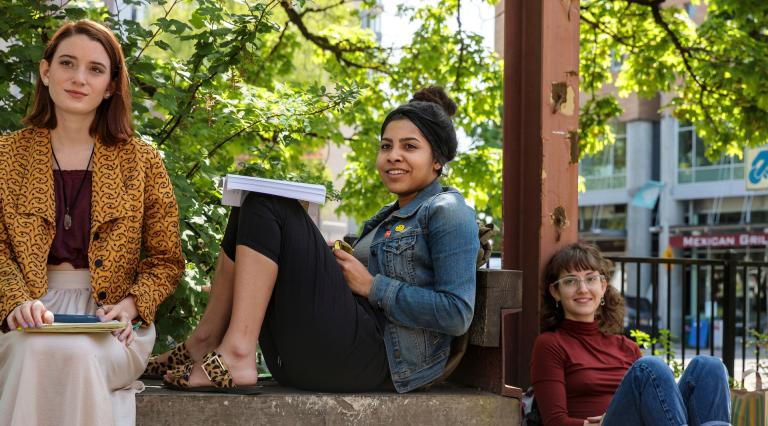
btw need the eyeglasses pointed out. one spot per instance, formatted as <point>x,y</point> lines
<point>571,282</point>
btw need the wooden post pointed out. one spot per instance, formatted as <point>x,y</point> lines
<point>541,105</point>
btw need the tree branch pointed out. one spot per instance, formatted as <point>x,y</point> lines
<point>324,43</point>
<point>278,43</point>
<point>684,51</point>
<point>246,129</point>
<point>617,38</point>
<point>649,3</point>
<point>155,34</point>
<point>176,120</point>
<point>462,45</point>
<point>323,9</point>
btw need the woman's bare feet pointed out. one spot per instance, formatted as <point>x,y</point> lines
<point>196,346</point>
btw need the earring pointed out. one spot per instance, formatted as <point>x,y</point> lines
<point>557,304</point>
<point>107,95</point>
<point>602,301</point>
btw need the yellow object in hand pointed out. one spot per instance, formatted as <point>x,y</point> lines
<point>342,245</point>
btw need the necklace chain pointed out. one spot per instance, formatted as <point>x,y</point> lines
<point>67,217</point>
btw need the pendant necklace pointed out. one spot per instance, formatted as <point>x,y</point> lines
<point>67,217</point>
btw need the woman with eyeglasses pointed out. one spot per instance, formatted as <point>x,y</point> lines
<point>585,372</point>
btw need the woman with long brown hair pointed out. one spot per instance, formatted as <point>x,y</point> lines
<point>585,372</point>
<point>88,225</point>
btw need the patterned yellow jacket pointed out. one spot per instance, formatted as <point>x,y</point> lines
<point>134,243</point>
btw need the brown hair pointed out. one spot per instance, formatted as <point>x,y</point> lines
<point>581,257</point>
<point>112,123</point>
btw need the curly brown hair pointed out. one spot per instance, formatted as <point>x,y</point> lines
<point>581,257</point>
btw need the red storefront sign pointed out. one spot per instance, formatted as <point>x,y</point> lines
<point>720,240</point>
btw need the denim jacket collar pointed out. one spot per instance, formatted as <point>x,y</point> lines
<point>429,191</point>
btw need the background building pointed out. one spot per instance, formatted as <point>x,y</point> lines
<point>702,210</point>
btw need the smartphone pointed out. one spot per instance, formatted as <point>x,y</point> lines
<point>69,318</point>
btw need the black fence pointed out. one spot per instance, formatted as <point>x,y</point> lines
<point>705,303</point>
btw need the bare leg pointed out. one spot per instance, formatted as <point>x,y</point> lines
<point>210,330</point>
<point>254,280</point>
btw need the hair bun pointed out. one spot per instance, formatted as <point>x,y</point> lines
<point>436,95</point>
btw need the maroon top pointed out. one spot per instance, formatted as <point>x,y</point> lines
<point>71,245</point>
<point>576,369</point>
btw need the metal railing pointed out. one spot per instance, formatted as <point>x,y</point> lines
<point>695,296</point>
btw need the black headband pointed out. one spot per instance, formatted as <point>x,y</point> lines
<point>433,123</point>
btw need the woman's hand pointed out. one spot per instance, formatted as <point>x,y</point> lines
<point>125,311</point>
<point>356,275</point>
<point>596,420</point>
<point>31,313</point>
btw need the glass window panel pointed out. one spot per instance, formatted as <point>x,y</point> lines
<point>620,129</point>
<point>602,169</point>
<point>620,156</point>
<point>685,149</point>
<point>701,159</point>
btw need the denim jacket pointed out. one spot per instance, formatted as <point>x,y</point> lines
<point>423,263</point>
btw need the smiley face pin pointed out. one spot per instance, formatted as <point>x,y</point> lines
<point>400,228</point>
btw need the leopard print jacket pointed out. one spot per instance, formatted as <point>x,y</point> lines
<point>134,246</point>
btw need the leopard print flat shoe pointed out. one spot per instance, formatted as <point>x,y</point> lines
<point>178,358</point>
<point>217,372</point>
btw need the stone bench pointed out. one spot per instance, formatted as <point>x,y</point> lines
<point>442,405</point>
<point>479,392</point>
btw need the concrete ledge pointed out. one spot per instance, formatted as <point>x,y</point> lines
<point>442,405</point>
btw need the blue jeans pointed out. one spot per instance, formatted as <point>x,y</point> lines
<point>648,395</point>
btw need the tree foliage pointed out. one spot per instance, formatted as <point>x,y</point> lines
<point>714,71</point>
<point>260,86</point>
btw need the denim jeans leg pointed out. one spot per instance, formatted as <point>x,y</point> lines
<point>704,387</point>
<point>648,395</point>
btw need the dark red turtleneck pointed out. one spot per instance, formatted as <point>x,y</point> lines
<point>576,369</point>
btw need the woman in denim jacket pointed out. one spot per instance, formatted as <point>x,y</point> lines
<point>332,321</point>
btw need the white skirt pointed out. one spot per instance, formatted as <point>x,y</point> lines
<point>71,379</point>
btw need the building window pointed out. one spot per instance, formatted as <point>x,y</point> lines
<point>693,165</point>
<point>608,168</point>
<point>617,60</point>
<point>690,9</point>
<point>610,219</point>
